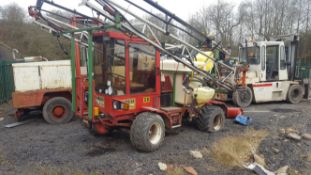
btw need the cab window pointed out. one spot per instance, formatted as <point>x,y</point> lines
<point>142,68</point>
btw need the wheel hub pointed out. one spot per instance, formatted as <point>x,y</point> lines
<point>58,111</point>
<point>155,133</point>
<point>217,123</point>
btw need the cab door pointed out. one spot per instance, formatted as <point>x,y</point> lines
<point>263,63</point>
<point>283,73</point>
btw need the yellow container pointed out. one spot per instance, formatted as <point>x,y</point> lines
<point>203,94</point>
<point>208,63</point>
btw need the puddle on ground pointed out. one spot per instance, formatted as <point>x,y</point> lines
<point>99,150</point>
<point>283,110</point>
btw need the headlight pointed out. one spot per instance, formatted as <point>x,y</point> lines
<point>118,105</point>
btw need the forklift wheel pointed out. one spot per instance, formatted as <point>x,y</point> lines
<point>147,131</point>
<point>211,119</point>
<point>242,97</point>
<point>295,94</point>
<point>57,110</point>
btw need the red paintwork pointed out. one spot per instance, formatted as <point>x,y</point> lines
<point>37,98</point>
<point>262,85</point>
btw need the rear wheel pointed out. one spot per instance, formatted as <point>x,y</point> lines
<point>295,94</point>
<point>211,119</point>
<point>147,131</point>
<point>242,96</point>
<point>57,110</point>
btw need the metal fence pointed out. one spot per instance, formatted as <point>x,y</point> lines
<point>6,80</point>
<point>303,67</point>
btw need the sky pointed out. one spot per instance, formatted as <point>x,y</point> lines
<point>182,8</point>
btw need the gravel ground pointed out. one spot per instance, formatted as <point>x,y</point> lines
<point>39,148</point>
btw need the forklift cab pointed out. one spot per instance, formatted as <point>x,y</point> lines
<point>266,59</point>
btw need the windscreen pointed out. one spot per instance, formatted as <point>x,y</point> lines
<point>109,66</point>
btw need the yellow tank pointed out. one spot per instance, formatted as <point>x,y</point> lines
<point>203,94</point>
<point>208,63</point>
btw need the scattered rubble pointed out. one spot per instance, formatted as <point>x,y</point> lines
<point>282,131</point>
<point>196,154</point>
<point>282,171</point>
<point>306,136</point>
<point>283,117</point>
<point>291,130</point>
<point>293,136</point>
<point>162,166</point>
<point>276,150</point>
<point>259,169</point>
<point>172,169</point>
<point>190,170</point>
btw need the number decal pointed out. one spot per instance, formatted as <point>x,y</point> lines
<point>146,100</point>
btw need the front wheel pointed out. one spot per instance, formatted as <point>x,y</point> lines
<point>242,96</point>
<point>57,110</point>
<point>147,131</point>
<point>295,94</point>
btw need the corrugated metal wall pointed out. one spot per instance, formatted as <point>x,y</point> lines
<point>6,81</point>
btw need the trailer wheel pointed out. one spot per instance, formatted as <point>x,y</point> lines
<point>211,119</point>
<point>295,94</point>
<point>242,97</point>
<point>57,110</point>
<point>147,131</point>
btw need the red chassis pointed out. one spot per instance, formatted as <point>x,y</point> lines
<point>111,111</point>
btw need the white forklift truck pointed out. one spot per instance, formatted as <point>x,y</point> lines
<point>271,72</point>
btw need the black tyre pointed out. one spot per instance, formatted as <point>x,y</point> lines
<point>147,131</point>
<point>242,96</point>
<point>295,94</point>
<point>57,110</point>
<point>211,119</point>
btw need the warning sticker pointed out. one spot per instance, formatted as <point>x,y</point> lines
<point>131,102</point>
<point>100,101</point>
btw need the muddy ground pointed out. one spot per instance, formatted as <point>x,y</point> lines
<point>40,148</point>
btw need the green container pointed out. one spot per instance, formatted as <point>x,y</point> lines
<point>6,80</point>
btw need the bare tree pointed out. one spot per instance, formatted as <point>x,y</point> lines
<point>307,16</point>
<point>224,20</point>
<point>12,13</point>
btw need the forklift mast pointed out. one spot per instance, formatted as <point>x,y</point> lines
<point>291,51</point>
